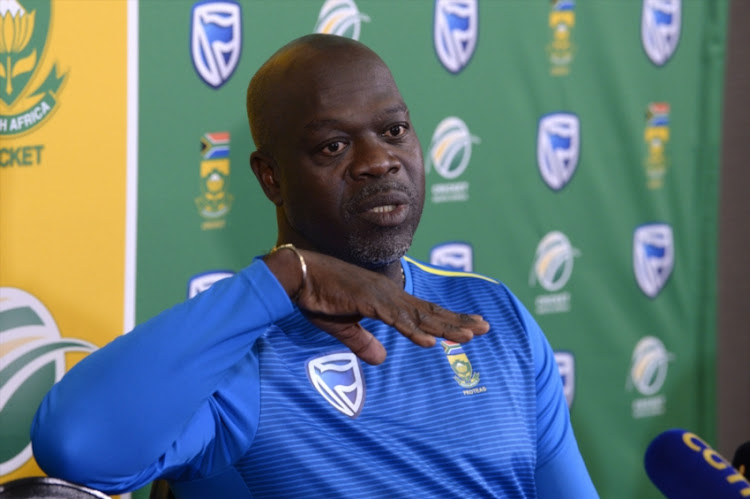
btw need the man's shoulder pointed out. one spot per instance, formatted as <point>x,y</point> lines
<point>433,276</point>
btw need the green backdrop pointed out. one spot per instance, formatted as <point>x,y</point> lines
<point>571,151</point>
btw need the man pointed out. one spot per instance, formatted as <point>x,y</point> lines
<point>255,388</point>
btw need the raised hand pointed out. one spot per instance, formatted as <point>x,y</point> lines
<point>336,295</point>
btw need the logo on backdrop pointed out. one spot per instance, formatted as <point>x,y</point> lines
<point>340,17</point>
<point>656,137</point>
<point>28,89</point>
<point>455,32</point>
<point>201,282</point>
<point>450,153</point>
<point>653,257</point>
<point>455,255</point>
<point>660,29</point>
<point>464,374</point>
<point>215,200</point>
<point>560,50</point>
<point>338,377</point>
<point>32,360</point>
<point>216,40</point>
<point>552,268</point>
<point>558,145</point>
<point>566,365</point>
<point>648,372</point>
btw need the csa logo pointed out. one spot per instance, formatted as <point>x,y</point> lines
<point>558,145</point>
<point>215,200</point>
<point>653,257</point>
<point>648,372</point>
<point>566,365</point>
<point>455,32</point>
<point>450,153</point>
<point>562,19</point>
<point>340,17</point>
<point>31,361</point>
<point>656,136</point>
<point>28,89</point>
<point>339,379</point>
<point>201,282</point>
<point>660,29</point>
<point>464,374</point>
<point>456,255</point>
<point>216,40</point>
<point>552,268</point>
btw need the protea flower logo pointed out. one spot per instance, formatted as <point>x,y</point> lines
<point>216,40</point>
<point>27,94</point>
<point>450,149</point>
<point>340,17</point>
<point>455,32</point>
<point>653,257</point>
<point>649,364</point>
<point>553,262</point>
<point>660,29</point>
<point>31,361</point>
<point>557,148</point>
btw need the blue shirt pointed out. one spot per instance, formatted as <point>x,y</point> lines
<point>235,394</point>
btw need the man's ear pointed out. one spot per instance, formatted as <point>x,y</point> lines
<point>265,169</point>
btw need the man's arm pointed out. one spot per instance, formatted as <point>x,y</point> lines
<point>118,419</point>
<point>561,472</point>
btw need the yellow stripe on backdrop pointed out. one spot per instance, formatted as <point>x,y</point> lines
<point>62,200</point>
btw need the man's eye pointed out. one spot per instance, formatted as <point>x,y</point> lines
<point>396,131</point>
<point>333,147</point>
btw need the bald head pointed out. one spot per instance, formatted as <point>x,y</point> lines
<point>296,66</point>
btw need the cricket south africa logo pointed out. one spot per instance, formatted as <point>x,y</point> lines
<point>660,29</point>
<point>464,373</point>
<point>648,372</point>
<point>552,268</point>
<point>216,40</point>
<point>215,200</point>
<point>32,359</point>
<point>455,32</point>
<point>558,145</point>
<point>450,153</point>
<point>562,19</point>
<point>653,257</point>
<point>339,379</point>
<point>340,17</point>
<point>29,89</point>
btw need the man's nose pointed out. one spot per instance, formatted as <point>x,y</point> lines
<point>373,157</point>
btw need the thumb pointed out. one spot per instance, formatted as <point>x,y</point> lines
<point>351,333</point>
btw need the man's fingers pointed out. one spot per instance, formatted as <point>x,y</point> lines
<point>359,340</point>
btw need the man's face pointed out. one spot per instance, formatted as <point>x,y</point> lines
<point>349,162</point>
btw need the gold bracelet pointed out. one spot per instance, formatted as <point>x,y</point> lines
<point>302,264</point>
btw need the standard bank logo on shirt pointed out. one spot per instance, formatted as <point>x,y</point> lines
<point>653,257</point>
<point>340,17</point>
<point>557,148</point>
<point>339,379</point>
<point>660,29</point>
<point>457,256</point>
<point>216,40</point>
<point>455,32</point>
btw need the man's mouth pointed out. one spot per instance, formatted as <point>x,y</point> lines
<point>383,209</point>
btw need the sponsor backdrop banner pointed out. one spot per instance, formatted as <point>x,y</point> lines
<point>62,200</point>
<point>571,150</point>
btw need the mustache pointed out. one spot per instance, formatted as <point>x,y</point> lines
<point>370,190</point>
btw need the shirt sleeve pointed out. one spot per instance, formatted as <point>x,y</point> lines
<point>560,470</point>
<point>120,417</point>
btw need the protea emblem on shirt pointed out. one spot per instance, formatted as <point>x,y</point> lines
<point>465,375</point>
<point>338,378</point>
